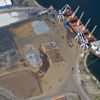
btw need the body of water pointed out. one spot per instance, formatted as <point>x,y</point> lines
<point>91,9</point>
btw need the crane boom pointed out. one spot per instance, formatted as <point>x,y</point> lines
<point>80,18</point>
<point>75,11</point>
<point>92,31</point>
<point>86,24</point>
<point>66,6</point>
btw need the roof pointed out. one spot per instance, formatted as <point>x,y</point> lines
<point>5,3</point>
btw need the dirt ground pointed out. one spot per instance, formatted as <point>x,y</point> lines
<point>22,84</point>
<point>3,97</point>
<point>55,73</point>
<point>52,76</point>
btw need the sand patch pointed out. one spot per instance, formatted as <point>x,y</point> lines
<point>22,84</point>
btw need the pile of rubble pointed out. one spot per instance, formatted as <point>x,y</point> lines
<point>33,58</point>
<point>96,46</point>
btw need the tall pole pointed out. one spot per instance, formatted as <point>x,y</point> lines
<point>80,18</point>
<point>75,12</point>
<point>92,31</point>
<point>86,24</point>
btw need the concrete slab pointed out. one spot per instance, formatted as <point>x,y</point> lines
<point>9,18</point>
<point>40,27</point>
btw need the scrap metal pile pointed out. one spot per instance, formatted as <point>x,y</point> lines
<point>96,46</point>
<point>33,58</point>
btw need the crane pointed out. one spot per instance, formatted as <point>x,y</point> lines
<point>61,12</point>
<point>84,45</point>
<point>65,8</point>
<point>79,37</point>
<point>65,23</point>
<point>82,39</point>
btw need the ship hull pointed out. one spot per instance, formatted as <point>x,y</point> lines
<point>72,22</point>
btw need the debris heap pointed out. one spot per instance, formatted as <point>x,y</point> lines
<point>33,58</point>
<point>96,46</point>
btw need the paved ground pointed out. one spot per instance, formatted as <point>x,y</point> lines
<point>30,10</point>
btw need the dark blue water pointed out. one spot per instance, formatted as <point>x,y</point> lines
<point>91,9</point>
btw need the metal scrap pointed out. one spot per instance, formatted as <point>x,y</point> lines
<point>34,58</point>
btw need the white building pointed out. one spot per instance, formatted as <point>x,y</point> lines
<point>5,3</point>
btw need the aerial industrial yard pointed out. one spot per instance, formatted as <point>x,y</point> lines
<point>38,56</point>
<point>26,36</point>
<point>23,39</point>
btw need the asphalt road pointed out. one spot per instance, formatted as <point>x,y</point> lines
<point>16,9</point>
